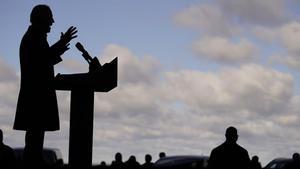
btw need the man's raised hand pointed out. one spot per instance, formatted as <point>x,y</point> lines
<point>68,35</point>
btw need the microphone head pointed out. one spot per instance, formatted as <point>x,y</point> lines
<point>79,46</point>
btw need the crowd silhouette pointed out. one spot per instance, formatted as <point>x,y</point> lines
<point>228,155</point>
<point>254,163</point>
<point>130,163</point>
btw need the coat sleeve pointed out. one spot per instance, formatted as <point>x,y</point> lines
<point>57,50</point>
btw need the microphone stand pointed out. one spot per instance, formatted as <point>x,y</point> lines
<point>94,63</point>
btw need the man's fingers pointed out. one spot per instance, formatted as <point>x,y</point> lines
<point>74,37</point>
<point>71,29</point>
<point>72,33</point>
<point>69,34</point>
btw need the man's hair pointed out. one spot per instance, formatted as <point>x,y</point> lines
<point>162,154</point>
<point>296,156</point>
<point>148,158</point>
<point>231,134</point>
<point>231,131</point>
<point>118,156</point>
<point>39,13</point>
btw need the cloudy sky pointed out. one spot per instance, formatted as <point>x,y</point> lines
<point>187,71</point>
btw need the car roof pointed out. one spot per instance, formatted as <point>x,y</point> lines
<point>184,156</point>
<point>281,159</point>
<point>180,159</point>
<point>278,161</point>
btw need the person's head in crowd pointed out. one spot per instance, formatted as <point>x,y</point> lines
<point>231,135</point>
<point>118,156</point>
<point>148,158</point>
<point>162,154</point>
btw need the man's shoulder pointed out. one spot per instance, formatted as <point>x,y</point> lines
<point>219,148</point>
<point>225,147</point>
<point>242,152</point>
<point>33,35</point>
<point>242,148</point>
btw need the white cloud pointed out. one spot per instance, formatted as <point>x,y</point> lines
<point>9,87</point>
<point>132,69</point>
<point>182,107</point>
<point>187,111</point>
<point>9,84</point>
<point>184,103</point>
<point>7,74</point>
<point>269,20</point>
<point>231,17</point>
<point>208,18</point>
<point>289,119</point>
<point>257,12</point>
<point>294,104</point>
<point>289,35</point>
<point>72,66</point>
<point>225,51</point>
<point>265,33</point>
<point>288,38</point>
<point>291,61</point>
<point>251,87</point>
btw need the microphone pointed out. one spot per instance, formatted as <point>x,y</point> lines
<point>85,54</point>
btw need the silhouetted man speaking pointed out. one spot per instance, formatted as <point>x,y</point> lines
<point>37,109</point>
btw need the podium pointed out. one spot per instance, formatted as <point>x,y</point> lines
<point>82,87</point>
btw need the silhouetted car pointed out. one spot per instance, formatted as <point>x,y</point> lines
<point>279,163</point>
<point>52,156</point>
<point>182,162</point>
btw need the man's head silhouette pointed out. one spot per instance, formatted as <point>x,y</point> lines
<point>231,134</point>
<point>255,159</point>
<point>162,154</point>
<point>296,157</point>
<point>118,157</point>
<point>148,158</point>
<point>42,18</point>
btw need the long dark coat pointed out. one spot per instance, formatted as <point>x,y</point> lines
<point>37,104</point>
